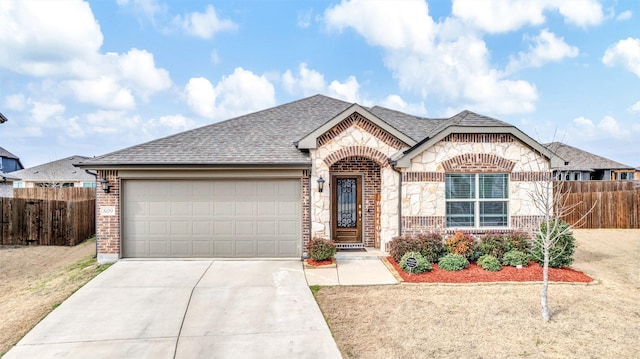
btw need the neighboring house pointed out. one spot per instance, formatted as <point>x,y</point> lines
<point>6,184</point>
<point>581,165</point>
<point>60,173</point>
<point>637,175</point>
<point>263,184</point>
<point>9,162</point>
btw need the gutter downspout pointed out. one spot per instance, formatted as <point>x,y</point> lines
<point>393,166</point>
<point>95,213</point>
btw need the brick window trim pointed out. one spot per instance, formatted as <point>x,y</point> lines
<point>357,151</point>
<point>358,120</point>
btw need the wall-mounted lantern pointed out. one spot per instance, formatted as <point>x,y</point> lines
<point>320,184</point>
<point>105,185</point>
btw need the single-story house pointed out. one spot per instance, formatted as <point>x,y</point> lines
<point>581,165</point>
<point>263,184</point>
<point>58,174</point>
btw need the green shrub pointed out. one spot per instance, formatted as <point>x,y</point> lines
<point>431,246</point>
<point>492,244</point>
<point>420,265</point>
<point>321,249</point>
<point>489,262</point>
<point>515,257</point>
<point>560,254</point>
<point>462,244</point>
<point>453,261</point>
<point>517,240</point>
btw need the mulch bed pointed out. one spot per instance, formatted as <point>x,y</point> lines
<point>475,274</point>
<point>315,263</point>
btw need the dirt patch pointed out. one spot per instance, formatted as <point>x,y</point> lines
<point>475,274</point>
<point>34,280</point>
<point>499,320</point>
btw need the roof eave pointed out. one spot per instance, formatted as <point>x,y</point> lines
<point>191,166</point>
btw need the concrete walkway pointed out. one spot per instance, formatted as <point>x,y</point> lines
<point>350,270</point>
<point>186,309</point>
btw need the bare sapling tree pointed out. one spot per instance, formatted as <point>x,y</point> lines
<point>551,200</point>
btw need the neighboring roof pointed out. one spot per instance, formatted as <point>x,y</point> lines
<point>2,118</point>
<point>60,171</point>
<point>580,160</point>
<point>269,137</point>
<point>6,154</point>
<point>5,177</point>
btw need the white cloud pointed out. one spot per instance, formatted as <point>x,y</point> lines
<point>15,102</point>
<point>635,108</point>
<point>395,102</point>
<point>608,128</point>
<point>34,40</point>
<point>307,82</point>
<point>499,16</point>
<point>43,113</point>
<point>149,8</point>
<point>347,90</point>
<point>239,93</point>
<point>204,25</point>
<point>110,122</point>
<point>166,125</point>
<point>304,19</point>
<point>104,92</point>
<point>625,53</point>
<point>547,47</point>
<point>434,59</point>
<point>392,25</point>
<point>137,68</point>
<point>625,15</point>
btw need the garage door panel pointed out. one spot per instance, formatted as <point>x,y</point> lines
<point>212,218</point>
<point>180,228</point>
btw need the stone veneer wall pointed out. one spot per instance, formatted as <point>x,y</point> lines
<point>423,188</point>
<point>108,227</point>
<point>355,137</point>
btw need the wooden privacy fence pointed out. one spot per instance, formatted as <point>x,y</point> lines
<point>46,222</point>
<point>614,207</point>
<point>58,194</point>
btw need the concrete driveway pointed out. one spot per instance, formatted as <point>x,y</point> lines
<point>186,309</point>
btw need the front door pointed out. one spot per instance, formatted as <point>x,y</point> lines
<point>347,209</point>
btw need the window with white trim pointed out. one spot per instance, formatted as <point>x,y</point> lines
<point>477,200</point>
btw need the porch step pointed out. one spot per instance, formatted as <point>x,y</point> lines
<point>366,253</point>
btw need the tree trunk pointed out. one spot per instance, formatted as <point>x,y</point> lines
<point>545,285</point>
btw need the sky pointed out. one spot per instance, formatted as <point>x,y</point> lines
<point>89,78</point>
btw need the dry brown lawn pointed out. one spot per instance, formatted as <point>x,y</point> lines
<point>600,320</point>
<point>35,279</point>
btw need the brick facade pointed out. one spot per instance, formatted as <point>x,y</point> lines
<point>370,171</point>
<point>358,121</point>
<point>478,163</point>
<point>108,227</point>
<point>306,208</point>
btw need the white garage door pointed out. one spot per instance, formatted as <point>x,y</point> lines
<point>211,218</point>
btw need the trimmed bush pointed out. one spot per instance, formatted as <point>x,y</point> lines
<point>431,246</point>
<point>400,245</point>
<point>462,244</point>
<point>421,264</point>
<point>517,240</point>
<point>561,254</point>
<point>489,262</point>
<point>453,262</point>
<point>492,244</point>
<point>321,249</point>
<point>514,258</point>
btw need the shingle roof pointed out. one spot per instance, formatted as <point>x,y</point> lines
<point>61,170</point>
<point>580,160</point>
<point>7,177</point>
<point>6,154</point>
<point>268,137</point>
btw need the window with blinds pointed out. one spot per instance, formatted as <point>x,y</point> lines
<point>477,200</point>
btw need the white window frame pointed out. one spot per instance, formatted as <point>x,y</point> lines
<point>477,200</point>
